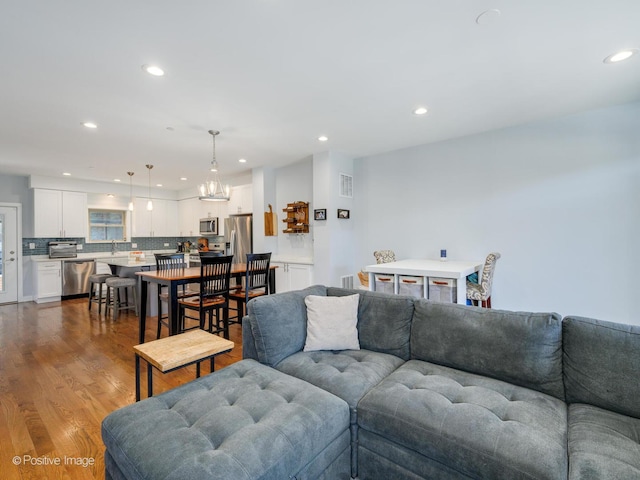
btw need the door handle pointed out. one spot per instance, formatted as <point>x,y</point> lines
<point>12,259</point>
<point>12,252</point>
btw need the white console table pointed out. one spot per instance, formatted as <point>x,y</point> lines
<point>426,268</point>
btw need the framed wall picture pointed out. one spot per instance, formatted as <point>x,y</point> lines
<point>320,214</point>
<point>343,213</point>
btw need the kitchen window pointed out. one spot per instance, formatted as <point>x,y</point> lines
<point>107,225</point>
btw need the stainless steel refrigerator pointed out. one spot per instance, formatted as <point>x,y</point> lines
<point>238,232</point>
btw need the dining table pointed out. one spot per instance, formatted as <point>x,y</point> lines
<point>176,277</point>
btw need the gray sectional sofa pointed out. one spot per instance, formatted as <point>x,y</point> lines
<point>437,391</point>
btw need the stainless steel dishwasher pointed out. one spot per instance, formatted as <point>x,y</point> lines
<point>75,276</point>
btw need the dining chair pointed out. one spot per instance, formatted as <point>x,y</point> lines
<point>166,262</point>
<point>480,293</point>
<point>384,256</point>
<point>255,282</point>
<point>215,275</point>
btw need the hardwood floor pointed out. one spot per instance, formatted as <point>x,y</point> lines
<point>62,370</point>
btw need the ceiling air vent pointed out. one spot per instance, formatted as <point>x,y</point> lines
<point>346,185</point>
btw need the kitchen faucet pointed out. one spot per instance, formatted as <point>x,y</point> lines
<point>113,247</point>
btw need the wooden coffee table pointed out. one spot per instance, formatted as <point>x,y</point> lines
<point>177,351</point>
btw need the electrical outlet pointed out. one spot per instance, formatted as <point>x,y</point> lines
<point>32,246</point>
<point>134,245</point>
<point>79,246</point>
<point>166,244</point>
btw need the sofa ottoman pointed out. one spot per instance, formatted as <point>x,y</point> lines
<point>246,421</point>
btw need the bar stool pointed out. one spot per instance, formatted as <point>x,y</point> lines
<point>116,303</point>
<point>97,280</point>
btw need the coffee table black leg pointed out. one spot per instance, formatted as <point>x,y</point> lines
<point>149,380</point>
<point>197,369</point>
<point>137,378</point>
<point>212,364</point>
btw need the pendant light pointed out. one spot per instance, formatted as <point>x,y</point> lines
<point>149,202</point>
<point>130,191</point>
<point>213,190</point>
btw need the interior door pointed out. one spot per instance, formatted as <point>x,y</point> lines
<point>8,254</point>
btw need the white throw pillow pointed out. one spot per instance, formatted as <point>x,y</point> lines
<point>331,323</point>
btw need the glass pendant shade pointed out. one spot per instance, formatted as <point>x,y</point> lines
<point>149,202</point>
<point>213,190</point>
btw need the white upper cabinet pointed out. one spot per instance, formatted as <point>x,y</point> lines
<point>59,213</point>
<point>188,216</point>
<point>162,221</point>
<point>241,200</point>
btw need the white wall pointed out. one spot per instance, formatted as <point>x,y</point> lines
<point>559,199</point>
<point>334,243</point>
<point>293,183</point>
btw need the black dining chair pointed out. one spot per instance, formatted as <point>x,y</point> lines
<point>255,282</point>
<point>167,262</point>
<point>215,275</point>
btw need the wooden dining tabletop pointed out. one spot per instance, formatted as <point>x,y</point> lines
<point>173,278</point>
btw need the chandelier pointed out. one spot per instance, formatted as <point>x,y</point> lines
<point>213,190</point>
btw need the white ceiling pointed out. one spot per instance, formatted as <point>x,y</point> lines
<point>272,75</point>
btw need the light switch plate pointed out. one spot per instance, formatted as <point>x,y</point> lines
<point>134,245</point>
<point>32,246</point>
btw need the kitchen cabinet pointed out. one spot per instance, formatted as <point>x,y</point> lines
<point>58,213</point>
<point>48,281</point>
<point>293,276</point>
<point>162,221</point>
<point>241,200</point>
<point>188,217</point>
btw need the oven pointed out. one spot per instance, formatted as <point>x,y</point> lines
<point>217,249</point>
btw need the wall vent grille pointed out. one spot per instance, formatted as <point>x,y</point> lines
<point>346,185</point>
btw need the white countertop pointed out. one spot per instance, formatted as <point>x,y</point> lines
<point>426,268</point>
<point>99,256</point>
<point>291,259</point>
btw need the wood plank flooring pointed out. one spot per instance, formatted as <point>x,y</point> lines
<point>62,370</point>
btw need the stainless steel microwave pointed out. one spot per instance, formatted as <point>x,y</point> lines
<point>209,226</point>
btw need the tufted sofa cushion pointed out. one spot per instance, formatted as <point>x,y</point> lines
<point>478,426</point>
<point>349,374</point>
<point>246,421</point>
<point>602,444</point>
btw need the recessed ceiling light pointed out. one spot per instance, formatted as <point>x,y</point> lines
<point>158,184</point>
<point>323,138</point>
<point>66,174</point>
<point>110,195</point>
<point>242,160</point>
<point>90,125</point>
<point>116,179</point>
<point>621,55</point>
<point>153,70</point>
<point>420,111</point>
<point>183,178</point>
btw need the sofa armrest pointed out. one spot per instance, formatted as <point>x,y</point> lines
<point>278,324</point>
